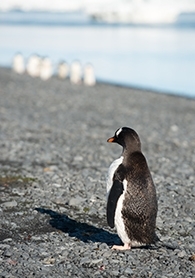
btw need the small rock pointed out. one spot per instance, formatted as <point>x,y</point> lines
<point>16,191</point>
<point>103,246</point>
<point>107,254</point>
<point>13,225</point>
<point>12,262</point>
<point>115,272</point>
<point>10,204</point>
<point>4,274</point>
<point>36,238</point>
<point>57,185</point>
<point>78,158</point>
<point>45,254</point>
<point>181,254</point>
<point>49,261</point>
<point>96,261</point>
<point>128,271</point>
<point>85,260</point>
<point>7,239</point>
<point>75,201</point>
<point>115,261</point>
<point>4,246</point>
<point>53,168</point>
<point>7,253</point>
<point>174,128</point>
<point>68,266</point>
<point>59,201</point>
<point>19,213</point>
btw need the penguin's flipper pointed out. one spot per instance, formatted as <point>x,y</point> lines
<point>115,192</point>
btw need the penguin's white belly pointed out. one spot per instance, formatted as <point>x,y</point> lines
<point>118,219</point>
<point>111,171</point>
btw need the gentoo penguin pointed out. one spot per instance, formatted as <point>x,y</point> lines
<point>131,194</point>
<point>75,72</point>
<point>33,65</point>
<point>46,69</point>
<point>63,70</point>
<point>18,64</point>
<point>89,75</point>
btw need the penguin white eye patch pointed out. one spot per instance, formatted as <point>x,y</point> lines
<point>118,131</point>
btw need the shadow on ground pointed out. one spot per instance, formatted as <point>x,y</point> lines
<point>81,231</point>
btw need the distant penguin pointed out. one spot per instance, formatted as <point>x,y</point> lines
<point>33,65</point>
<point>46,69</point>
<point>75,72</point>
<point>131,194</point>
<point>18,64</point>
<point>89,75</point>
<point>63,70</point>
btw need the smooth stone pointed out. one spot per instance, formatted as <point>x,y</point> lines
<point>96,261</point>
<point>16,191</point>
<point>7,253</point>
<point>128,271</point>
<point>7,239</point>
<point>85,260</point>
<point>75,201</point>
<point>115,272</point>
<point>35,238</point>
<point>57,185</point>
<point>10,204</point>
<point>182,254</point>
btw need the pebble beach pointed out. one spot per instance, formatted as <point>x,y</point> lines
<point>53,166</point>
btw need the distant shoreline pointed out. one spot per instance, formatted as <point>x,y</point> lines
<point>120,85</point>
<point>41,17</point>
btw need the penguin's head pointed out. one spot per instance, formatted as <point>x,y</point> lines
<point>127,138</point>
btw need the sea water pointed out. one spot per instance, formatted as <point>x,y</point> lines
<point>161,58</point>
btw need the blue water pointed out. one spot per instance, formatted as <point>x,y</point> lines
<point>151,57</point>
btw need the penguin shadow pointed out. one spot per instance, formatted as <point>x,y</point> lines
<point>81,231</point>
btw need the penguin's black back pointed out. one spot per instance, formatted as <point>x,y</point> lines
<point>140,204</point>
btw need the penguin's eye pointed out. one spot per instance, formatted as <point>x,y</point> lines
<point>118,132</point>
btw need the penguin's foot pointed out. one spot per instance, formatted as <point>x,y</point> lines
<point>126,246</point>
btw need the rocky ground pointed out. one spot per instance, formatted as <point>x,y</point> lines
<point>53,165</point>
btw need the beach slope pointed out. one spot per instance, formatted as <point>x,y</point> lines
<point>53,166</point>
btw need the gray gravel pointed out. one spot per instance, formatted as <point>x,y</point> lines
<point>53,165</point>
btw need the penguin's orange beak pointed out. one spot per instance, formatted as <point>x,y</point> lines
<point>111,139</point>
